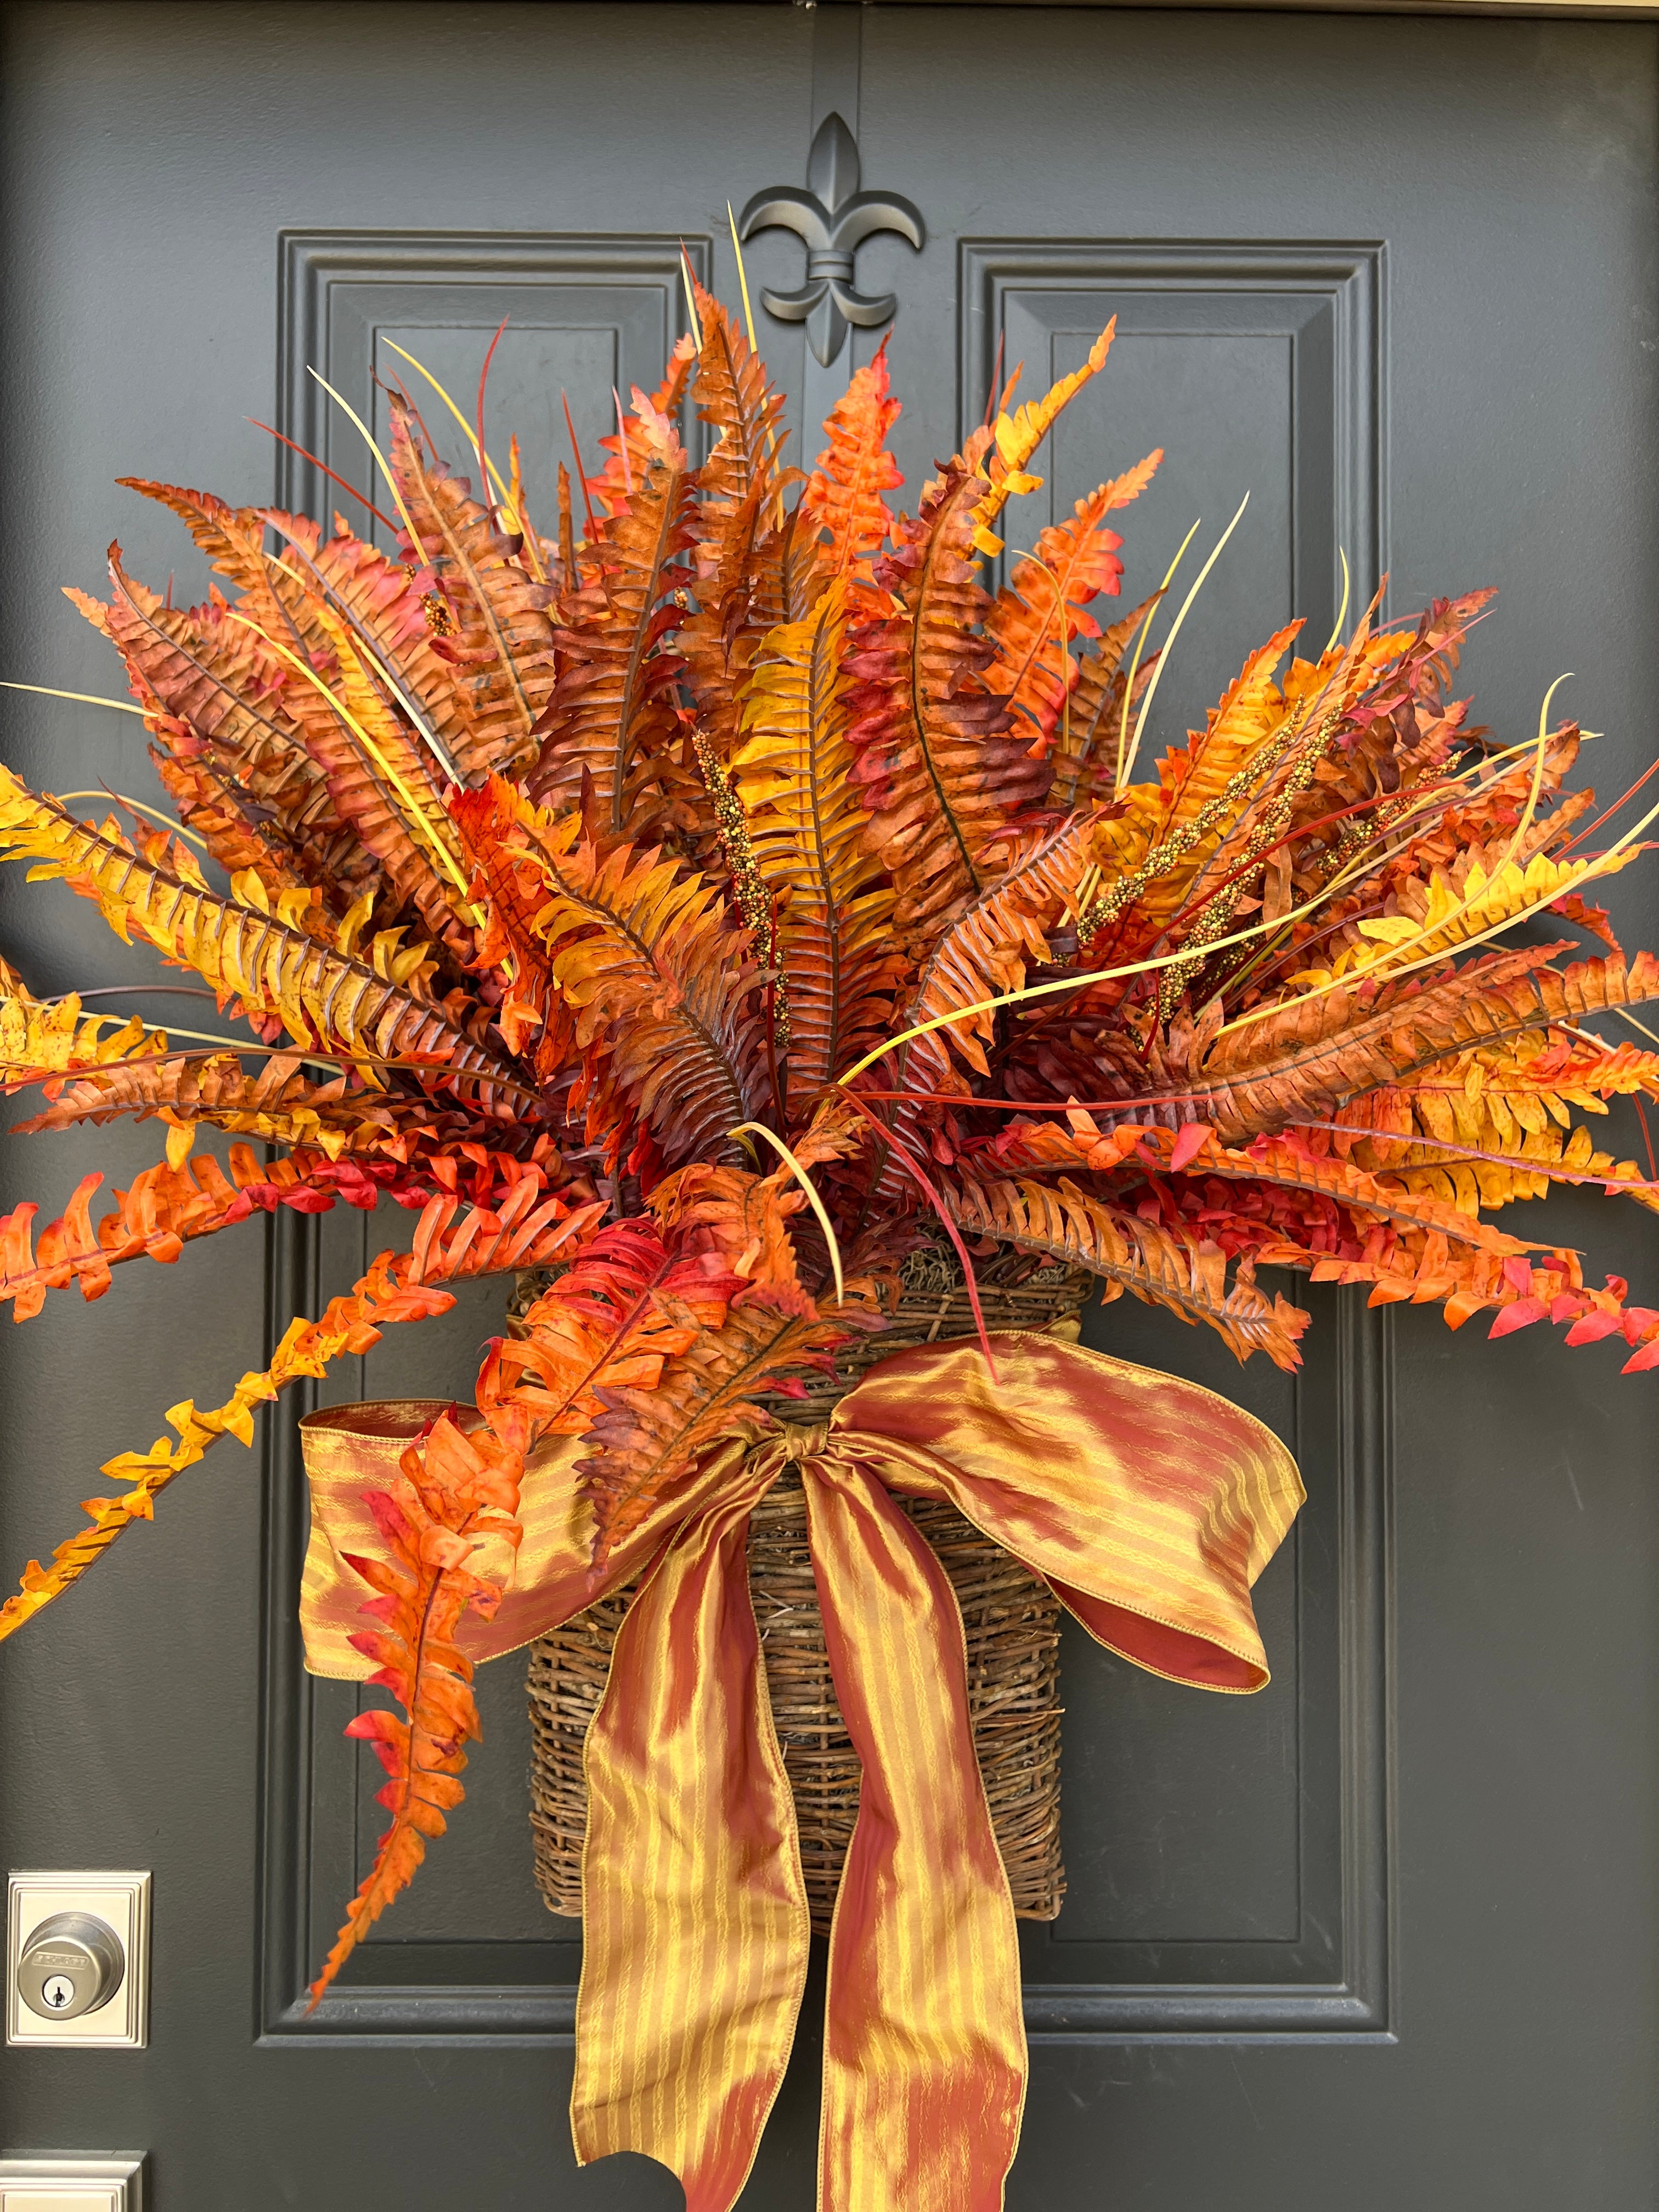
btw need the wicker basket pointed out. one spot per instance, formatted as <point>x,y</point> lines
<point>1011,1622</point>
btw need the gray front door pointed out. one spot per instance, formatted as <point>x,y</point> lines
<point>1384,1938</point>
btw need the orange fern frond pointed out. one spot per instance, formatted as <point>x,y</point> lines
<point>1015,438</point>
<point>165,1209</point>
<point>941,770</point>
<point>626,1303</point>
<point>1309,1057</point>
<point>842,497</point>
<point>279,1104</point>
<point>447,1499</point>
<point>400,633</point>
<point>1045,605</point>
<point>372,1009</point>
<point>385,786</point>
<point>630,446</point>
<point>451,1241</point>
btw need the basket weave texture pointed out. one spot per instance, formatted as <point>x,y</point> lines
<point>1010,1621</point>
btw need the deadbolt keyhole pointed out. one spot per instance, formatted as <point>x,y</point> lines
<point>72,1964</point>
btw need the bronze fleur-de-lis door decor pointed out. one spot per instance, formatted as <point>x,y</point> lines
<point>834,218</point>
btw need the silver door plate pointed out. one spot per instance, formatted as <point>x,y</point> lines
<point>121,1901</point>
<point>63,2182</point>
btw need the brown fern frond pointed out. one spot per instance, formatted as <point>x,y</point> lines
<point>612,717</point>
<point>233,539</point>
<point>719,641</point>
<point>502,637</point>
<point>400,633</point>
<point>742,410</point>
<point>942,771</point>
<point>1084,759</point>
<point>387,786</point>
<point>645,1440</point>
<point>225,696</point>
<point>661,986</point>
<point>280,1104</point>
<point>983,954</point>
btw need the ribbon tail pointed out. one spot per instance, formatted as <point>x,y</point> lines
<point>695,1924</point>
<point>924,2063</point>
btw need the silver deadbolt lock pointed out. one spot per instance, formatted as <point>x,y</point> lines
<point>73,1964</point>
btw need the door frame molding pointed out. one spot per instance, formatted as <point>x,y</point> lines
<point>1605,10</point>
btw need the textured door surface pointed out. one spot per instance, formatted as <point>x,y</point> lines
<point>1383,1937</point>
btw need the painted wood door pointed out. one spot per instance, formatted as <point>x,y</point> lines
<point>1382,1936</point>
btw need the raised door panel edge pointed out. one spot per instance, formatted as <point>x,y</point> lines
<point>1343,1436</point>
<point>316,269</point>
<point>1347,282</point>
<point>1330,300</point>
<point>1348,279</point>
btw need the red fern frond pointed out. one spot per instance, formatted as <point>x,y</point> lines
<point>1171,1267</point>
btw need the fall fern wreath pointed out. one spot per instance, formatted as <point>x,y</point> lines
<point>784,962</point>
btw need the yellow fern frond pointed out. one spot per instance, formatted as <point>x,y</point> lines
<point>1019,435</point>
<point>278,973</point>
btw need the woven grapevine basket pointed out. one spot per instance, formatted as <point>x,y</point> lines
<point>1010,1620</point>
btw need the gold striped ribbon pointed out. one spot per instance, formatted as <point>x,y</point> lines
<point>1150,1505</point>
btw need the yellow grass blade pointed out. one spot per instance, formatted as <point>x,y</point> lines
<point>1174,632</point>
<point>1342,611</point>
<point>1134,662</point>
<point>346,409</point>
<point>760,1129</point>
<point>86,698</point>
<point>1625,1015</point>
<point>139,808</point>
<point>428,737</point>
<point>691,299</point>
<point>468,428</point>
<point>1216,944</point>
<point>743,279</point>
<point>1385,967</point>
